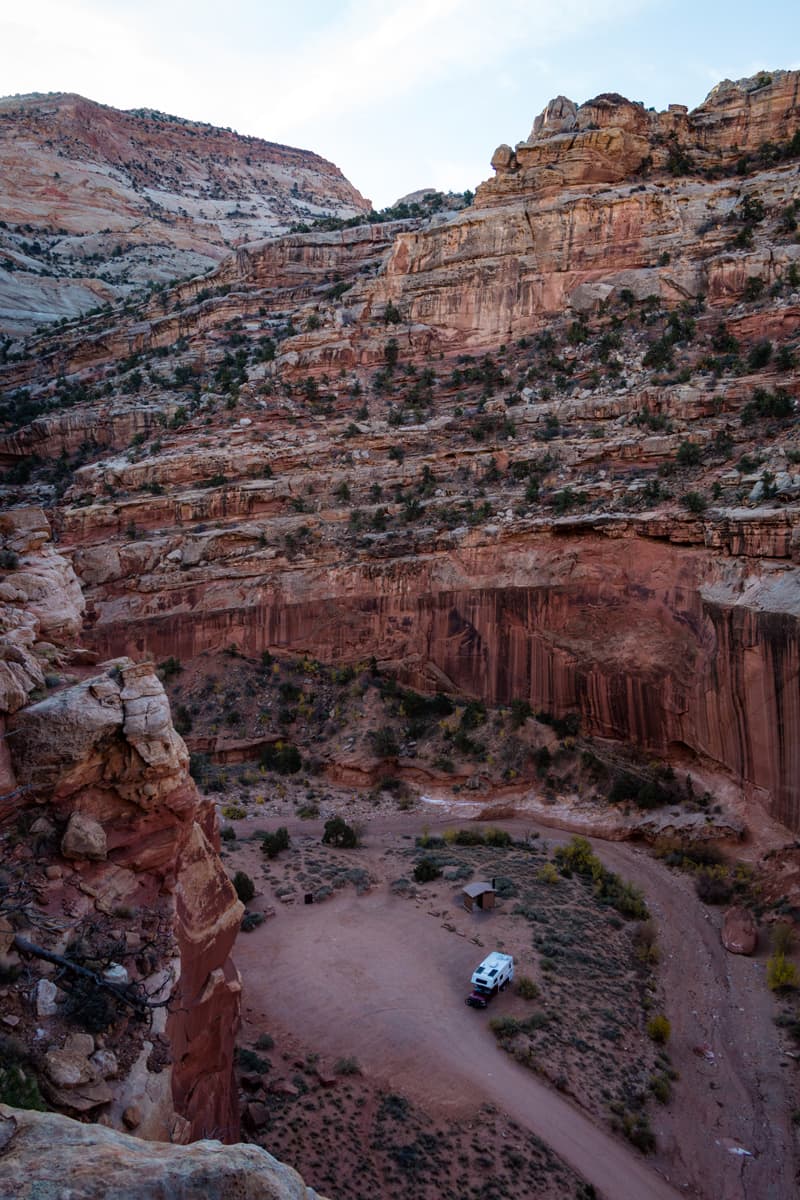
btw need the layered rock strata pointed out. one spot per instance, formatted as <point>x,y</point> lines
<point>600,515</point>
<point>96,202</point>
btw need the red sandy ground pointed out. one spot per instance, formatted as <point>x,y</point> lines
<point>376,976</point>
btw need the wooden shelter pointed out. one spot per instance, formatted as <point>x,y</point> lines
<point>480,894</point>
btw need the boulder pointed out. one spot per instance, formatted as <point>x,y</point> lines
<point>43,1150</point>
<point>503,158</point>
<point>739,931</point>
<point>84,838</point>
<point>46,995</point>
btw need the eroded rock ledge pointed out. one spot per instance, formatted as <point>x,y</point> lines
<point>43,1153</point>
<point>123,848</point>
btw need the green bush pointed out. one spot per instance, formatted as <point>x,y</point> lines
<point>527,988</point>
<point>347,1066</point>
<point>339,833</point>
<point>384,742</point>
<point>689,455</point>
<point>781,974</point>
<point>659,1029</point>
<point>273,843</point>
<point>20,1089</point>
<point>505,1028</point>
<point>244,886</point>
<point>234,812</point>
<point>251,921</point>
<point>782,937</point>
<point>497,837</point>
<point>248,1060</point>
<point>661,1087</point>
<point>776,406</point>
<point>426,870</point>
<point>169,667</point>
<point>695,502</point>
<point>282,757</point>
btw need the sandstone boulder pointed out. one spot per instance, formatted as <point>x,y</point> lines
<point>559,116</point>
<point>46,995</point>
<point>84,838</point>
<point>503,158</point>
<point>42,1150</point>
<point>739,931</point>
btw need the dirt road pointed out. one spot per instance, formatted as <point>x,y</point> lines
<point>376,978</point>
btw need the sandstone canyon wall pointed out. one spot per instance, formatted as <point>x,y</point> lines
<point>596,516</point>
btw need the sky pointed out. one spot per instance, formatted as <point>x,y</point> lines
<point>400,95</point>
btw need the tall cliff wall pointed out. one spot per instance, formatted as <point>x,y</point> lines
<point>543,448</point>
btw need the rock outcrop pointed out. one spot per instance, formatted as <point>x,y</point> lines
<point>42,1153</point>
<point>95,768</point>
<point>102,759</point>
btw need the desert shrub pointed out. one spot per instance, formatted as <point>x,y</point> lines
<point>505,1028</point>
<point>638,1132</point>
<point>244,886</point>
<point>19,1088</point>
<point>781,937</point>
<point>781,974</point>
<point>384,742</point>
<point>645,942</point>
<point>251,921</point>
<point>753,288</point>
<point>659,1029</point>
<point>505,888</point>
<point>474,714</point>
<point>520,711</point>
<point>548,873</point>
<point>89,1008</point>
<point>497,837</point>
<point>527,988</point>
<point>199,767</point>
<point>695,502</point>
<point>339,833</point>
<point>578,856</point>
<point>347,1066</point>
<point>273,843</point>
<point>265,1041</point>
<point>424,708</point>
<point>282,757</point>
<point>248,1060</point>
<point>760,354</point>
<point>464,837</point>
<point>169,668</point>
<point>713,885</point>
<point>661,1087</point>
<point>228,833</point>
<point>775,405</point>
<point>426,870</point>
<point>234,812</point>
<point>689,454</point>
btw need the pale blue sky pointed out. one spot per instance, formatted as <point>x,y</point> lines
<point>399,95</point>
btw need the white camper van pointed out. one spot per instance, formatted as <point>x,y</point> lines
<point>491,976</point>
